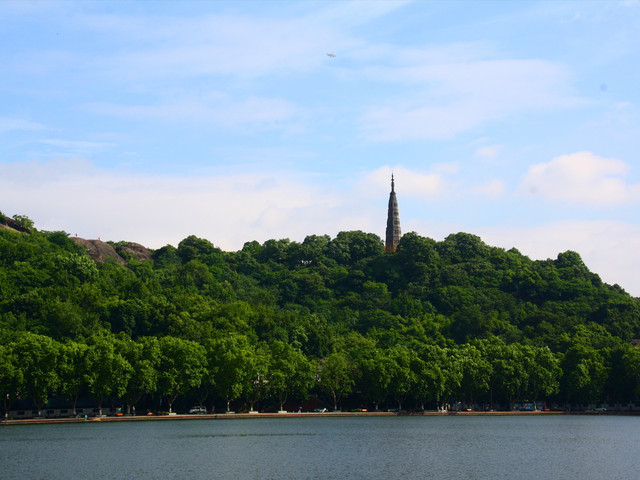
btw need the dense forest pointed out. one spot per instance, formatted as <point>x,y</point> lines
<point>328,321</point>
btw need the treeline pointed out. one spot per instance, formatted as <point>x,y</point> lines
<point>339,319</point>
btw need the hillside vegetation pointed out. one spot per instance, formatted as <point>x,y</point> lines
<point>334,319</point>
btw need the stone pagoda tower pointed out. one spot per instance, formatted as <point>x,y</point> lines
<point>393,222</point>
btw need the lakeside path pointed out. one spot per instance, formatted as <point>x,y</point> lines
<point>227,416</point>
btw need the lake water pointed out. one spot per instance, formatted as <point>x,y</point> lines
<point>449,447</point>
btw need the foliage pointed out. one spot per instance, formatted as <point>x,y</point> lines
<point>434,323</point>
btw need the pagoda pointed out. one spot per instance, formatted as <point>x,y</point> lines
<point>393,222</point>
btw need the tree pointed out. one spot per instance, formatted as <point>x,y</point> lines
<point>543,369</point>
<point>258,374</point>
<point>181,366</point>
<point>584,374</point>
<point>194,248</point>
<point>312,251</point>
<point>73,370</point>
<point>289,372</point>
<point>336,376</point>
<point>229,360</point>
<point>275,251</point>
<point>375,375</point>
<point>167,257</point>
<point>402,377</point>
<point>463,247</point>
<point>25,222</point>
<point>432,374</point>
<point>508,378</point>
<point>38,362</point>
<point>417,257</point>
<point>354,246</point>
<point>623,384</point>
<point>475,369</point>
<point>143,355</point>
<point>10,375</point>
<point>108,372</point>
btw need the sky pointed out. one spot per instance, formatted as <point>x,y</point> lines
<point>149,121</point>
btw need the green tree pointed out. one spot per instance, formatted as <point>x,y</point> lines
<point>376,370</point>
<point>337,376</point>
<point>230,358</point>
<point>24,221</point>
<point>10,375</point>
<point>508,377</point>
<point>432,373</point>
<point>38,362</point>
<point>258,375</point>
<point>143,355</point>
<point>417,257</point>
<point>194,248</point>
<point>476,372</point>
<point>402,377</point>
<point>584,374</point>
<point>181,367</point>
<point>289,372</point>
<point>108,372</point>
<point>72,370</point>
<point>354,246</point>
<point>543,370</point>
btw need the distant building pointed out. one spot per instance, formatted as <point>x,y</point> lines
<point>393,222</point>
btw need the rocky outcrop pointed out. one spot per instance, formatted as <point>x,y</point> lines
<point>7,227</point>
<point>137,251</point>
<point>11,224</point>
<point>98,250</point>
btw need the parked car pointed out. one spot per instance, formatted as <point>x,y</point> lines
<point>198,409</point>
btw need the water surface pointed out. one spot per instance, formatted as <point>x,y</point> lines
<point>450,447</point>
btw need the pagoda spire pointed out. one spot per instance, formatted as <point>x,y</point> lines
<point>393,222</point>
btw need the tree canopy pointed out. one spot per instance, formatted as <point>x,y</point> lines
<point>335,319</point>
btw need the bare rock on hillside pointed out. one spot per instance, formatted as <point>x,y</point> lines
<point>98,250</point>
<point>7,227</point>
<point>137,251</point>
<point>10,224</point>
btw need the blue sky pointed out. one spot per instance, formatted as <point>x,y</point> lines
<point>153,121</point>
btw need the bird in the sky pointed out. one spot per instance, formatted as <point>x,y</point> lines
<point>330,55</point>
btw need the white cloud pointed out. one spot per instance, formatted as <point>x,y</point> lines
<point>582,178</point>
<point>493,189</point>
<point>9,124</point>
<point>228,209</point>
<point>447,168</point>
<point>412,183</point>
<point>489,151</point>
<point>443,182</point>
<point>155,210</point>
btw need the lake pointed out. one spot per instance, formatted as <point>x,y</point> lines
<point>449,447</point>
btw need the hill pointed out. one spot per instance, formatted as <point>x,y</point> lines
<point>434,321</point>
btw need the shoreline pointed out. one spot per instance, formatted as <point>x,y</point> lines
<point>238,416</point>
